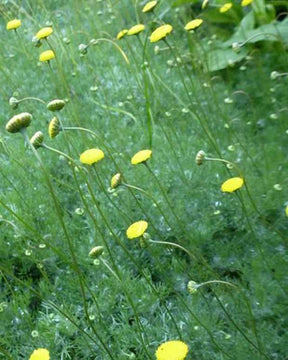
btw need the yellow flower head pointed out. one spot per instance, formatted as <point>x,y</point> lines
<point>232,184</point>
<point>137,229</point>
<point>13,24</point>
<point>141,156</point>
<point>172,350</point>
<point>191,25</point>
<point>121,34</point>
<point>225,7</point>
<point>47,55</point>
<point>149,6</point>
<point>91,156</point>
<point>136,29</point>
<point>286,210</point>
<point>160,33</point>
<point>115,181</point>
<point>246,2</point>
<point>40,354</point>
<point>44,33</point>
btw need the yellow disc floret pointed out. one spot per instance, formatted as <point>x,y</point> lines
<point>232,184</point>
<point>137,229</point>
<point>91,156</point>
<point>160,33</point>
<point>172,350</point>
<point>141,156</point>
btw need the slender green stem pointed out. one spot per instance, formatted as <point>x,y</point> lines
<point>168,243</point>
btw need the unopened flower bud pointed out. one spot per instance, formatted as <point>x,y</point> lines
<point>54,127</point>
<point>56,105</point>
<point>96,251</point>
<point>192,287</point>
<point>274,75</point>
<point>13,102</point>
<point>18,122</point>
<point>200,157</point>
<point>83,49</point>
<point>116,181</point>
<point>37,139</point>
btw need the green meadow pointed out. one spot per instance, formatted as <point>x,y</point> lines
<point>143,167</point>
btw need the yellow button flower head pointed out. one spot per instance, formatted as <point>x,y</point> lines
<point>160,33</point>
<point>149,6</point>
<point>44,33</point>
<point>193,24</point>
<point>136,29</point>
<point>40,354</point>
<point>13,24</point>
<point>172,350</point>
<point>232,184</point>
<point>286,210</point>
<point>47,55</point>
<point>225,7</point>
<point>91,156</point>
<point>246,2</point>
<point>141,156</point>
<point>121,34</point>
<point>137,229</point>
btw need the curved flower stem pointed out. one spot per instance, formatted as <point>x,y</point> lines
<point>150,197</point>
<point>58,152</point>
<point>104,262</point>
<point>226,162</point>
<point>215,282</point>
<point>31,98</point>
<point>8,222</point>
<point>172,244</point>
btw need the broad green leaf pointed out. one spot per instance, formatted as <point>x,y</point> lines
<point>221,58</point>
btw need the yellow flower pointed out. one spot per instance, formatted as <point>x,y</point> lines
<point>160,33</point>
<point>13,24</point>
<point>136,29</point>
<point>44,33</point>
<point>40,354</point>
<point>226,7</point>
<point>232,184</point>
<point>172,350</point>
<point>137,229</point>
<point>115,181</point>
<point>246,2</point>
<point>193,24</point>
<point>204,4</point>
<point>47,55</point>
<point>91,156</point>
<point>149,6</point>
<point>121,34</point>
<point>286,210</point>
<point>141,156</point>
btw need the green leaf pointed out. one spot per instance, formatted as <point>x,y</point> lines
<point>276,31</point>
<point>221,58</point>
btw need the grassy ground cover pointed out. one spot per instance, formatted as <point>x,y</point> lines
<point>207,264</point>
